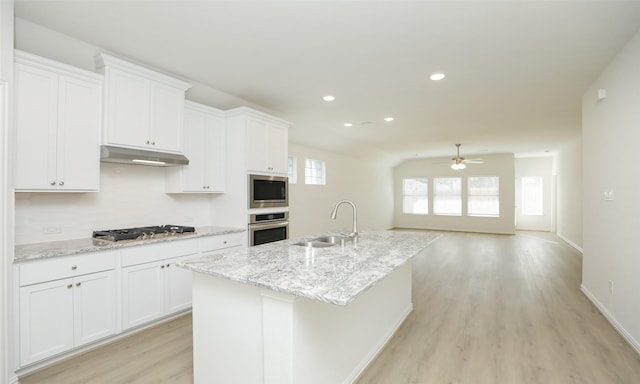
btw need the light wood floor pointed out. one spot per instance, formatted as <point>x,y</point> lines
<point>491,309</point>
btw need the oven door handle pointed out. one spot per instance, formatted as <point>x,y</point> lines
<point>273,224</point>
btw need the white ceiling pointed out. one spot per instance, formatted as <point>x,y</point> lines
<point>516,71</point>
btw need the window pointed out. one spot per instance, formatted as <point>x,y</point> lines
<point>415,196</point>
<point>314,172</point>
<point>532,195</point>
<point>447,196</point>
<point>483,196</point>
<point>293,170</point>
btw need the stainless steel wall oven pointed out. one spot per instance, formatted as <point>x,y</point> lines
<point>268,227</point>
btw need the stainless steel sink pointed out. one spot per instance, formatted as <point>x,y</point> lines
<point>324,241</point>
<point>333,239</point>
<point>314,244</point>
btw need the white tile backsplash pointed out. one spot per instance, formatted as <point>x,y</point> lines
<point>130,195</point>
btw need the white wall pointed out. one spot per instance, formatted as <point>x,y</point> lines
<point>535,166</point>
<point>569,207</point>
<point>367,183</point>
<point>6,195</point>
<point>494,165</point>
<point>611,135</point>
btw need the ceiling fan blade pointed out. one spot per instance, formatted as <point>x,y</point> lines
<point>473,161</point>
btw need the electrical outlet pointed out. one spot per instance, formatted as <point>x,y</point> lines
<point>610,287</point>
<point>51,230</point>
<point>608,194</point>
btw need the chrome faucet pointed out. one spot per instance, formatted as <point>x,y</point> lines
<point>334,213</point>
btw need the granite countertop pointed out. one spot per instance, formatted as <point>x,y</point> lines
<point>334,275</point>
<point>77,246</point>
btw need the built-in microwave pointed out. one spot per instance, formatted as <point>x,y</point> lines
<point>268,191</point>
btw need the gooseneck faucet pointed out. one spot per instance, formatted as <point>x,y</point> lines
<point>334,213</point>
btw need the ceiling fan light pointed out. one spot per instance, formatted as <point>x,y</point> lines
<point>461,166</point>
<point>454,166</point>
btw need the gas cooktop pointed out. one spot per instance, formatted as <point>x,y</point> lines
<point>142,233</point>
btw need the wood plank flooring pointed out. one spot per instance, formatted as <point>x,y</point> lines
<point>503,309</point>
<point>492,309</point>
<point>162,354</point>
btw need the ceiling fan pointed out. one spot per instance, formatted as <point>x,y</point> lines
<point>459,163</point>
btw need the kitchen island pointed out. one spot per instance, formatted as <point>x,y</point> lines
<point>284,313</point>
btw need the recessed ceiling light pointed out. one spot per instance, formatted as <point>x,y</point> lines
<point>388,119</point>
<point>328,98</point>
<point>348,125</point>
<point>437,76</point>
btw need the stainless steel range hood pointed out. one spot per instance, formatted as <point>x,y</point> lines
<point>111,154</point>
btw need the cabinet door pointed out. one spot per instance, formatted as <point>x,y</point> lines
<point>195,148</point>
<point>94,307</point>
<point>127,109</point>
<point>278,149</point>
<point>256,145</point>
<point>142,294</point>
<point>166,117</point>
<point>178,288</point>
<point>216,155</point>
<point>205,147</point>
<point>46,320</point>
<point>79,104</point>
<point>36,109</point>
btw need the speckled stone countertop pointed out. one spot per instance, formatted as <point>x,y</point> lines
<point>73,247</point>
<point>334,275</point>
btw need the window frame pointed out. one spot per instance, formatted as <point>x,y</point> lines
<point>437,196</point>
<point>405,195</point>
<point>524,195</point>
<point>292,169</point>
<point>470,195</point>
<point>312,165</point>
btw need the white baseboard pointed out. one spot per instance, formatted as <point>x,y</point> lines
<point>384,340</point>
<point>571,243</point>
<point>13,380</point>
<point>612,320</point>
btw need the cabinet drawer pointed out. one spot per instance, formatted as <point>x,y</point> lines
<point>53,269</point>
<point>212,243</point>
<point>159,251</point>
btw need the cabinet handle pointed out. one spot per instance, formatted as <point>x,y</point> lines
<point>168,265</point>
<point>147,142</point>
<point>162,266</point>
<point>78,284</point>
<point>224,242</point>
<point>74,267</point>
<point>69,286</point>
<point>61,183</point>
<point>52,182</point>
<point>153,143</point>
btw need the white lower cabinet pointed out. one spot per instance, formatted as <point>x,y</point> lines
<point>59,315</point>
<point>142,294</point>
<point>95,307</point>
<point>67,302</point>
<point>46,320</point>
<point>153,290</point>
<point>152,286</point>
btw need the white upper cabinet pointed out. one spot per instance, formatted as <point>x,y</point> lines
<point>58,117</point>
<point>267,140</point>
<point>143,108</point>
<point>205,147</point>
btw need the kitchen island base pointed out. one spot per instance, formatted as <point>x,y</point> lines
<point>246,334</point>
